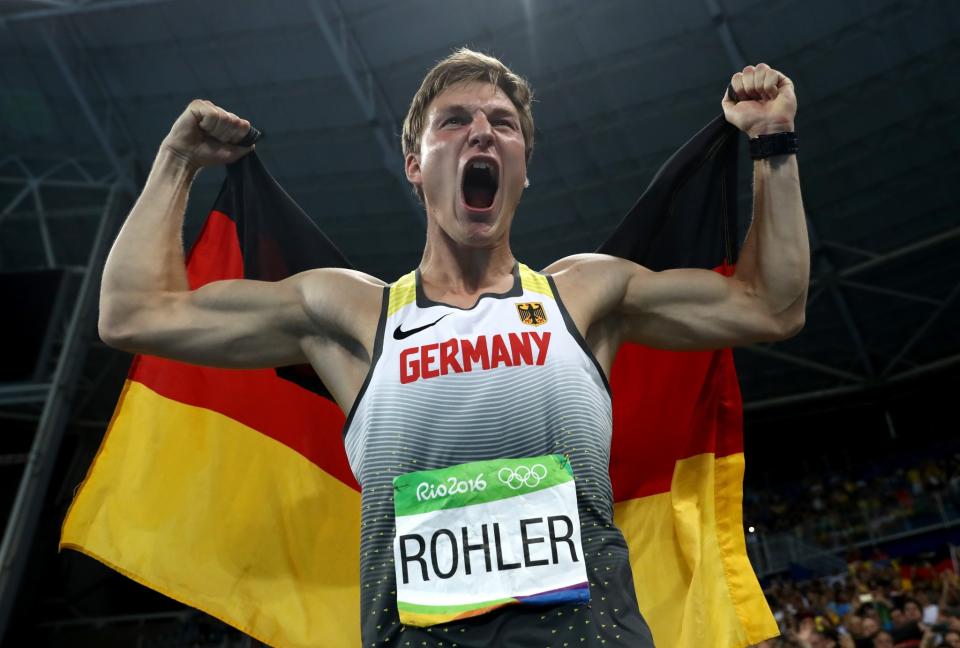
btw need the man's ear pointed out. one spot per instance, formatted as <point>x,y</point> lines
<point>412,169</point>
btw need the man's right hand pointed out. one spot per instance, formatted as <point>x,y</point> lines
<point>207,135</point>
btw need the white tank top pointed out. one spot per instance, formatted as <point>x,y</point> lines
<point>509,377</point>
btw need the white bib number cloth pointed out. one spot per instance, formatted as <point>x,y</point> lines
<point>474,537</point>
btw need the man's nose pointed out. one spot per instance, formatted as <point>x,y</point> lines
<point>481,134</point>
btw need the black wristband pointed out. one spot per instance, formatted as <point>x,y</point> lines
<point>763,146</point>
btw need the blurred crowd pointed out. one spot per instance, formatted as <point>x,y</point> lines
<point>838,509</point>
<point>879,604</point>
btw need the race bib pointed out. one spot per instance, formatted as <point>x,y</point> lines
<point>474,537</point>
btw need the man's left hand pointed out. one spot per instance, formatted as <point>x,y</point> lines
<point>766,102</point>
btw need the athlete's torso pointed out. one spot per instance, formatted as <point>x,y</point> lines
<point>509,377</point>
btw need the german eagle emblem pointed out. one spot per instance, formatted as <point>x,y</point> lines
<point>532,313</point>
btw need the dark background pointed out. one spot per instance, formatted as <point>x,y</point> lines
<point>88,89</point>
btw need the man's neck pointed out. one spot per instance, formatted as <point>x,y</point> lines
<point>450,269</point>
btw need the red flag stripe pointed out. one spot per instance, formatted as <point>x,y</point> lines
<point>668,406</point>
<point>307,423</point>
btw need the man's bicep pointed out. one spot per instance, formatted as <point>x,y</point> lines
<point>236,323</point>
<point>690,309</point>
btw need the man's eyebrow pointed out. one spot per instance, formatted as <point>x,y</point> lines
<point>461,108</point>
<point>452,108</point>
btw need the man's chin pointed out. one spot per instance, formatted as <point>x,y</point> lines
<point>478,224</point>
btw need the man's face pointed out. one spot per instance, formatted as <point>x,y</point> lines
<point>855,625</point>
<point>912,611</point>
<point>883,640</point>
<point>471,166</point>
<point>952,639</point>
<point>869,626</point>
<point>819,641</point>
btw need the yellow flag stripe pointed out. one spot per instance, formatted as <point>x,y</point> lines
<point>750,603</point>
<point>223,518</point>
<point>694,583</point>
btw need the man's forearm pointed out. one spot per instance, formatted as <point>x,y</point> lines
<point>775,257</point>
<point>774,262</point>
<point>147,256</point>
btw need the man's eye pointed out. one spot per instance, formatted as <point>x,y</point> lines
<point>505,122</point>
<point>452,120</point>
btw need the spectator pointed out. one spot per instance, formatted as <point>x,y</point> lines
<point>840,605</point>
<point>880,601</point>
<point>908,629</point>
<point>809,634</point>
<point>882,639</point>
<point>886,497</point>
<point>869,628</point>
<point>931,610</point>
<point>897,617</point>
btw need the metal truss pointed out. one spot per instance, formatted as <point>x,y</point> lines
<point>890,292</point>
<point>115,143</point>
<point>826,267</point>
<point>921,331</point>
<point>25,392</point>
<point>33,10</point>
<point>887,375</point>
<point>366,90</point>
<point>848,390</point>
<point>831,280</point>
<point>923,244</point>
<point>22,521</point>
<point>867,146</point>
<point>30,185</point>
<point>119,187</point>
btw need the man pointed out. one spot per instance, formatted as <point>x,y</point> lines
<point>907,628</point>
<point>444,370</point>
<point>808,636</point>
<point>951,638</point>
<point>868,630</point>
<point>883,639</point>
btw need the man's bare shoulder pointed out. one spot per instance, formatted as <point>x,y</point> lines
<point>587,268</point>
<point>590,285</point>
<point>341,294</point>
<point>340,274</point>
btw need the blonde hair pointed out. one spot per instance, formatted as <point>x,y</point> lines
<point>465,65</point>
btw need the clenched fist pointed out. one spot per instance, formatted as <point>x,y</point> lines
<point>766,101</point>
<point>207,135</point>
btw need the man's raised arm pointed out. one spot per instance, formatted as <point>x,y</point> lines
<point>775,257</point>
<point>146,305</point>
<point>765,299</point>
<point>689,309</point>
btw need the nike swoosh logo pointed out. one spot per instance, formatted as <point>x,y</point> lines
<point>400,334</point>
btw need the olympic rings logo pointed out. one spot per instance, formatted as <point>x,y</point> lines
<point>522,476</point>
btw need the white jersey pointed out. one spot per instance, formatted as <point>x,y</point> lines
<point>510,377</point>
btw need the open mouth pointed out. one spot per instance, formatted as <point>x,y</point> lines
<point>480,182</point>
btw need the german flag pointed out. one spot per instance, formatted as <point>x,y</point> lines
<point>229,490</point>
<point>676,461</point>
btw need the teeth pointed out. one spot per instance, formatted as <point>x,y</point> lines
<point>481,165</point>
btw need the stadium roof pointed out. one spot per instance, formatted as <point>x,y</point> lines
<point>619,86</point>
